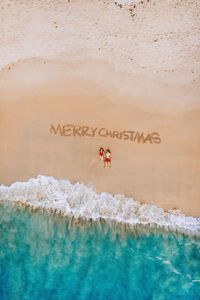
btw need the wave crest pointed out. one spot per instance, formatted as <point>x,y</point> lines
<point>79,200</point>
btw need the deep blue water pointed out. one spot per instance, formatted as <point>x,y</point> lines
<point>48,257</point>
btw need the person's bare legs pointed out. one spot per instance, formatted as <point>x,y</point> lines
<point>105,164</point>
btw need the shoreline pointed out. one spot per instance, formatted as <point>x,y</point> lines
<point>79,201</point>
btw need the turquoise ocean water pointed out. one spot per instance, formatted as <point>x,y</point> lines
<point>48,257</point>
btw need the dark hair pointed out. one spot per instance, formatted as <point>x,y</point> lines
<point>108,150</point>
<point>101,149</point>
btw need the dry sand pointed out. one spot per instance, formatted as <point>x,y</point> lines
<point>98,65</point>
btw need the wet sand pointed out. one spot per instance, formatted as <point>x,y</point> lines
<point>36,95</point>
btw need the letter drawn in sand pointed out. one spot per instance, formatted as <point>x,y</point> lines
<point>109,133</point>
<point>102,132</point>
<point>85,130</point>
<point>139,137</point>
<point>93,131</point>
<point>124,135</point>
<point>56,130</point>
<point>131,134</point>
<point>148,138</point>
<point>67,130</point>
<point>127,135</point>
<point>156,137</point>
<point>116,134</point>
<point>77,130</point>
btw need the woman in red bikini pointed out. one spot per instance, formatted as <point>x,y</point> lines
<point>101,154</point>
<point>107,160</point>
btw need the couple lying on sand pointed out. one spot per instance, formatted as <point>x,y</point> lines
<point>105,156</point>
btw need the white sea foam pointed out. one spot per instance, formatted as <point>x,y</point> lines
<point>81,201</point>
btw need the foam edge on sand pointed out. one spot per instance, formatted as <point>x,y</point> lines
<point>81,201</point>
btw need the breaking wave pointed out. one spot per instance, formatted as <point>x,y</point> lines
<point>81,201</point>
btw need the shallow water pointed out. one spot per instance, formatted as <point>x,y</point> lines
<point>47,257</point>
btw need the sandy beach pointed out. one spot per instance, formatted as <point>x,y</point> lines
<point>82,68</point>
